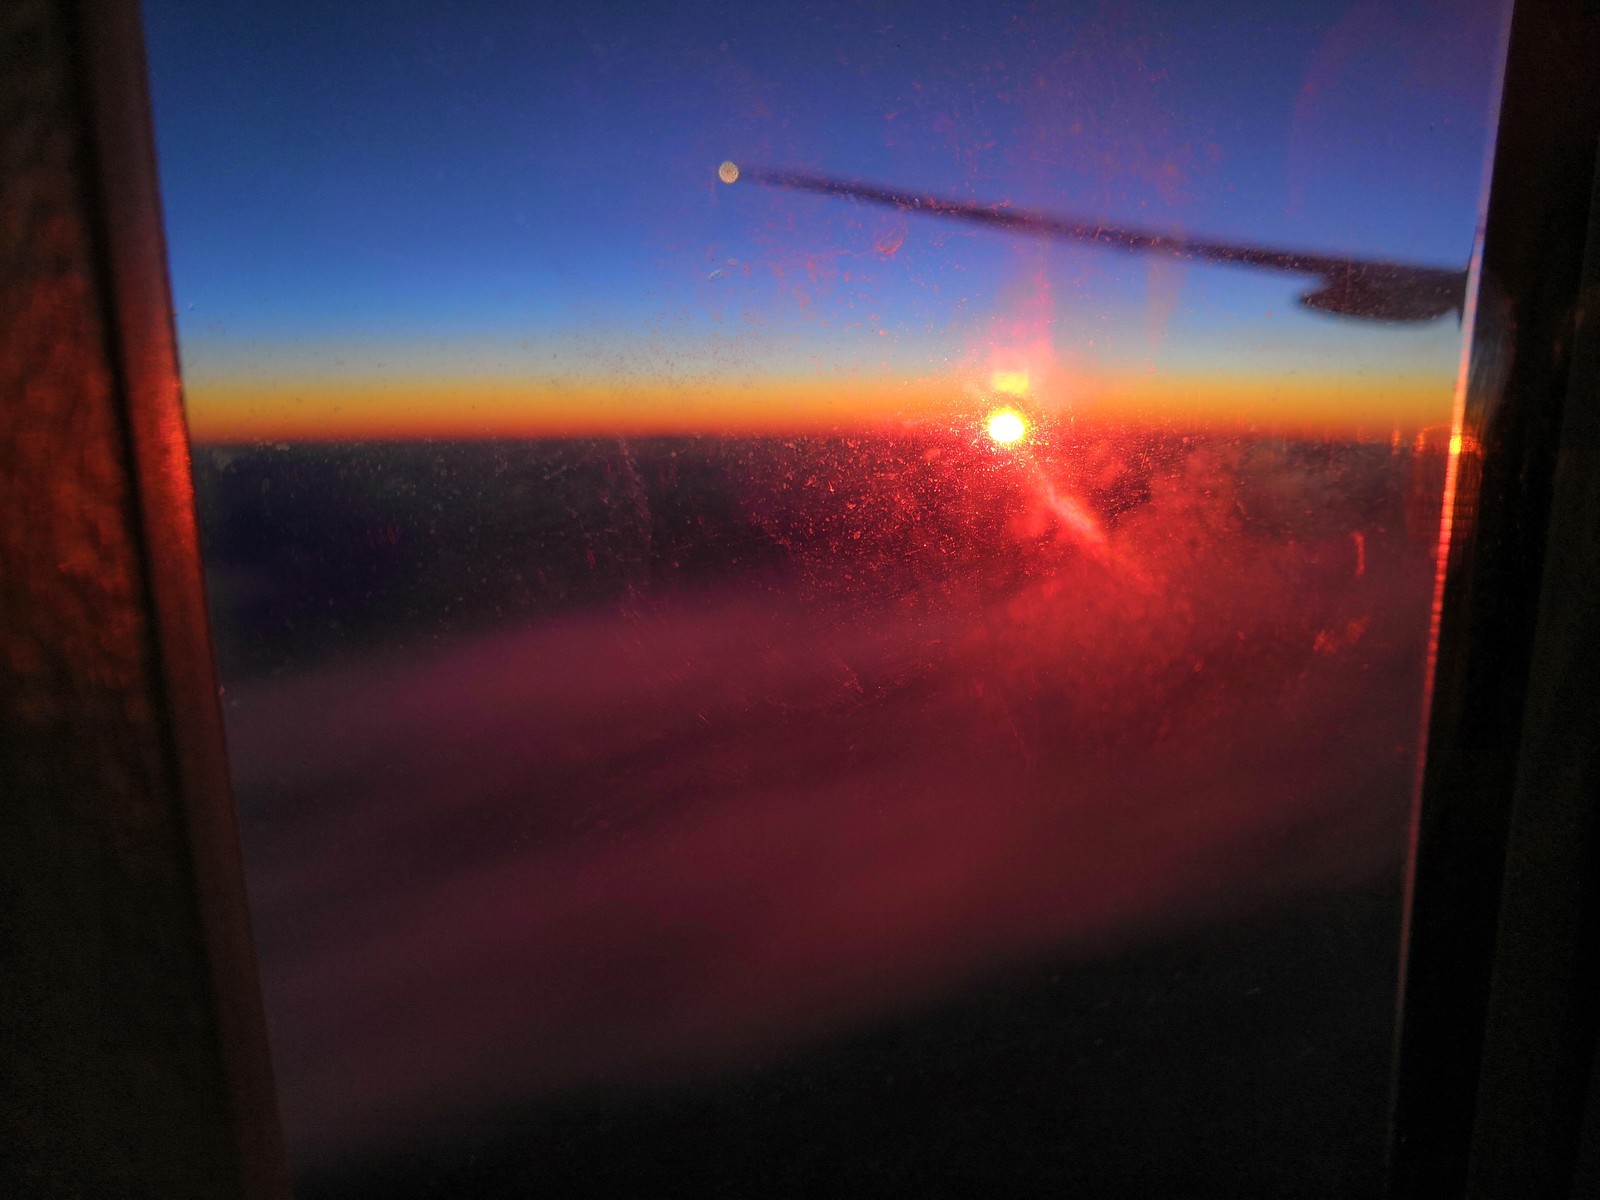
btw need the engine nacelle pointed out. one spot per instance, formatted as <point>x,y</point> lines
<point>1376,294</point>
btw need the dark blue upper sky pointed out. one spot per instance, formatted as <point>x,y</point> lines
<point>448,186</point>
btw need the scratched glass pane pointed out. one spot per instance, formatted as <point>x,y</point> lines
<point>824,599</point>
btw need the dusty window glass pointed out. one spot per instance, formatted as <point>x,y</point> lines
<point>824,598</point>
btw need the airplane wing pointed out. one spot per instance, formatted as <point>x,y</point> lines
<point>1370,289</point>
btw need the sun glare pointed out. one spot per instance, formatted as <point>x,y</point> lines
<point>1010,383</point>
<point>1006,425</point>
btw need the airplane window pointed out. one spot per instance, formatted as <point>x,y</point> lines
<point>825,598</point>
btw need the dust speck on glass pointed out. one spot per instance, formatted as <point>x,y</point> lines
<point>824,599</point>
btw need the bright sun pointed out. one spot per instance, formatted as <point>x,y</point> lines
<point>1006,426</point>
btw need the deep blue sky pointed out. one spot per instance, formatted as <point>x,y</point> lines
<point>502,187</point>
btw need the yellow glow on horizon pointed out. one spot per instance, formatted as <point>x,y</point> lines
<point>1006,425</point>
<point>1010,383</point>
<point>361,407</point>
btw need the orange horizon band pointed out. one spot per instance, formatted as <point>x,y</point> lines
<point>410,409</point>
